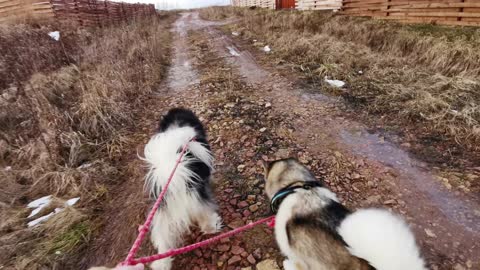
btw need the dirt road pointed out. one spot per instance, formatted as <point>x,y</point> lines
<point>253,113</point>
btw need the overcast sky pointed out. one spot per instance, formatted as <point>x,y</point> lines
<point>180,4</point>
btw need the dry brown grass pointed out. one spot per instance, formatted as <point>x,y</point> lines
<point>66,117</point>
<point>423,75</point>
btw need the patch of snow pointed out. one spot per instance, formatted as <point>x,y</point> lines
<point>360,72</point>
<point>235,34</point>
<point>55,35</point>
<point>35,211</point>
<point>84,166</point>
<point>8,168</point>
<point>233,51</point>
<point>40,219</point>
<point>254,40</point>
<point>267,49</point>
<point>40,202</point>
<point>336,83</point>
<point>72,201</point>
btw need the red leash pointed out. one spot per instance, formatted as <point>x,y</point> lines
<point>178,251</point>
<point>130,260</point>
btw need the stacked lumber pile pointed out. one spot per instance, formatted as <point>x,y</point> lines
<point>83,12</point>
<point>254,3</point>
<point>450,12</point>
<point>318,4</point>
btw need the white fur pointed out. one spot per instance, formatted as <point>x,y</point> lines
<point>302,201</point>
<point>382,239</point>
<point>183,208</point>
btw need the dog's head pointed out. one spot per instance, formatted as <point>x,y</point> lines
<point>284,172</point>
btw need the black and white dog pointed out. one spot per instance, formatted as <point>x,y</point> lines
<point>316,232</point>
<point>189,198</point>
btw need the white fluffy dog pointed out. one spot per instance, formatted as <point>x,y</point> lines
<point>189,199</point>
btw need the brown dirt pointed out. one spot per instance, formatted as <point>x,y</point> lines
<point>420,81</point>
<point>253,112</point>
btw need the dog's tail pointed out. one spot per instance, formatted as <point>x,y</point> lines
<point>162,152</point>
<point>382,239</point>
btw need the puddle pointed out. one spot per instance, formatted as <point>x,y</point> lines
<point>458,210</point>
<point>181,74</point>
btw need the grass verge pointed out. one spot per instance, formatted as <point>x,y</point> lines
<point>66,119</point>
<point>419,80</point>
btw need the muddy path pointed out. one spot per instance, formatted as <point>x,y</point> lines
<point>252,113</point>
<point>446,222</point>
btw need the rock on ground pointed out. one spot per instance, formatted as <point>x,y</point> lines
<point>268,265</point>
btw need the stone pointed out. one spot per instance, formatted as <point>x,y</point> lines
<point>373,199</point>
<point>251,198</point>
<point>251,259</point>
<point>356,176</point>
<point>257,253</point>
<point>198,253</point>
<point>242,204</point>
<point>235,224</point>
<point>263,129</point>
<point>246,268</point>
<point>235,259</point>
<point>389,202</point>
<point>268,265</point>
<point>237,250</point>
<point>241,167</point>
<point>253,208</point>
<point>430,233</point>
<point>223,248</point>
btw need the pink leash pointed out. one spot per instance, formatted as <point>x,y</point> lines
<point>130,260</point>
<point>203,243</point>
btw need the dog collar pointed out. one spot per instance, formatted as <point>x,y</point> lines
<point>278,198</point>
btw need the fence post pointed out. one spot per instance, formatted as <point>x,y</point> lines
<point>77,12</point>
<point>387,8</point>
<point>461,10</point>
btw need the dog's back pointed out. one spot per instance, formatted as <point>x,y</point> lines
<point>317,232</point>
<point>177,128</point>
<point>311,233</point>
<point>189,198</point>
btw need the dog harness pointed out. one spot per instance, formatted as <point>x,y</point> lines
<point>284,192</point>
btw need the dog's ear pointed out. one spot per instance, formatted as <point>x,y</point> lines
<point>266,167</point>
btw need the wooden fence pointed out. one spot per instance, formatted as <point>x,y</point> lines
<point>452,12</point>
<point>254,3</point>
<point>318,4</point>
<point>82,12</point>
<point>20,10</point>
